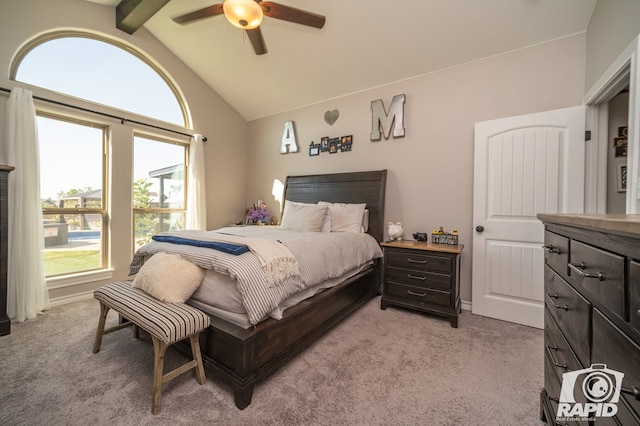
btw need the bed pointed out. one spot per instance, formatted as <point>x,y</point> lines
<point>243,356</point>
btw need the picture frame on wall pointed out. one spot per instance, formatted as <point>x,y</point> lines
<point>324,144</point>
<point>621,177</point>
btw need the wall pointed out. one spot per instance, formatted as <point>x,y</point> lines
<point>226,130</point>
<point>613,26</point>
<point>430,178</point>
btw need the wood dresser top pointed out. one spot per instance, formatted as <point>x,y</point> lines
<point>617,223</point>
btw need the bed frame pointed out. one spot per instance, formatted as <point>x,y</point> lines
<point>242,357</point>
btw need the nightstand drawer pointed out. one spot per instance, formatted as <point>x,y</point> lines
<point>419,294</point>
<point>416,260</point>
<point>419,278</point>
<point>600,273</point>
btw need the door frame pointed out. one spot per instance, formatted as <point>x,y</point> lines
<point>624,71</point>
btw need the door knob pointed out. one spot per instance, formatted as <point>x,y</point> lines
<point>480,228</point>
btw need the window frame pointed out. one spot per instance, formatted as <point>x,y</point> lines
<point>103,211</point>
<point>157,210</point>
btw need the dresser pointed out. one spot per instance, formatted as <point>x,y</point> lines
<point>422,276</point>
<point>5,322</point>
<point>592,315</point>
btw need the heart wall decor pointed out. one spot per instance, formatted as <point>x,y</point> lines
<point>331,116</point>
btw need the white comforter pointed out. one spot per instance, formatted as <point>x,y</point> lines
<point>320,256</point>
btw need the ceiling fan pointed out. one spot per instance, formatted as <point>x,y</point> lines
<point>247,14</point>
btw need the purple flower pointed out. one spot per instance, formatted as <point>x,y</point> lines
<point>258,214</point>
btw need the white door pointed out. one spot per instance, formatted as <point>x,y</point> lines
<point>523,166</point>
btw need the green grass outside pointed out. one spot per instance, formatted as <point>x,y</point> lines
<point>58,262</point>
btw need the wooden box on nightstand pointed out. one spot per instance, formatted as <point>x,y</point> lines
<point>422,276</point>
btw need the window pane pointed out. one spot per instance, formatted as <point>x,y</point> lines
<point>149,224</point>
<point>70,163</point>
<point>158,170</point>
<point>73,243</point>
<point>71,176</point>
<point>93,70</point>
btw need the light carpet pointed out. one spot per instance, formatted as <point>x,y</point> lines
<point>391,367</point>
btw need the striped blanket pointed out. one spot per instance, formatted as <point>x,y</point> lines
<point>319,256</point>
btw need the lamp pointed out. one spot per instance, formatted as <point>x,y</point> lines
<point>245,14</point>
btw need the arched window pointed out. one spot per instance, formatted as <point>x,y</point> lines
<point>75,162</point>
<point>100,71</point>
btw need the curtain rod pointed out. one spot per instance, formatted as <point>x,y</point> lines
<point>104,114</point>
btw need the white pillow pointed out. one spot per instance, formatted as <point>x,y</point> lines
<point>303,217</point>
<point>344,217</point>
<point>169,278</point>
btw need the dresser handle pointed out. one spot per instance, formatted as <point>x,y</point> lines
<point>555,296</point>
<point>551,249</point>
<point>553,358</point>
<point>422,262</point>
<point>413,293</point>
<point>578,268</point>
<point>413,277</point>
<point>633,391</point>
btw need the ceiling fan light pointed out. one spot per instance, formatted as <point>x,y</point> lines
<point>245,14</point>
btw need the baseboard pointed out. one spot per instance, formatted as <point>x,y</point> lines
<point>77,297</point>
<point>466,306</point>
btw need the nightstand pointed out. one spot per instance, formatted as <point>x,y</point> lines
<point>422,276</point>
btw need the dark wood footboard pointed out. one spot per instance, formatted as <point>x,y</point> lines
<point>242,357</point>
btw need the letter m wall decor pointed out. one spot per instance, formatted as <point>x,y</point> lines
<point>382,122</point>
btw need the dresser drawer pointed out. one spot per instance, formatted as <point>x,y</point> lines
<point>419,294</point>
<point>416,260</point>
<point>416,277</point>
<point>570,311</point>
<point>553,384</point>
<point>556,252</point>
<point>557,349</point>
<point>634,296</point>
<point>618,352</point>
<point>601,273</point>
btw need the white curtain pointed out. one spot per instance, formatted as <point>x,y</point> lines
<point>27,293</point>
<point>196,197</point>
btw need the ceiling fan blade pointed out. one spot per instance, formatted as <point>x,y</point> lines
<point>291,14</point>
<point>207,12</point>
<point>257,41</point>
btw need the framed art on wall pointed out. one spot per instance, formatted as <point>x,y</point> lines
<point>621,177</point>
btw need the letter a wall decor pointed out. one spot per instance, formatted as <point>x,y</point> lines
<point>288,139</point>
<point>380,120</point>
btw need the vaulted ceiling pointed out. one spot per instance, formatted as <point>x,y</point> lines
<point>363,44</point>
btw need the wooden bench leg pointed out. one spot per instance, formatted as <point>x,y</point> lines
<point>159,349</point>
<point>195,351</point>
<point>104,310</point>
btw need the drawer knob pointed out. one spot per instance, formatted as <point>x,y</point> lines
<point>414,277</point>
<point>413,293</point>
<point>632,391</point>
<point>553,358</point>
<point>551,249</point>
<point>555,296</point>
<point>579,269</point>
<point>422,262</point>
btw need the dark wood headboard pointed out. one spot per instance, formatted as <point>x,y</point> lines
<point>356,187</point>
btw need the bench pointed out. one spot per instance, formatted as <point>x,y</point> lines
<point>167,323</point>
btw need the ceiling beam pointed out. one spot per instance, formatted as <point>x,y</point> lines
<point>132,14</point>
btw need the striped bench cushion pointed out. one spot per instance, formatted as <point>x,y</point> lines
<point>169,322</point>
